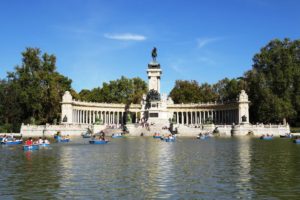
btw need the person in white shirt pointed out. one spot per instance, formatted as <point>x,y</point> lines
<point>4,139</point>
<point>46,141</point>
<point>40,141</point>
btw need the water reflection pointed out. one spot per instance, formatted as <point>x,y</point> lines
<point>244,168</point>
<point>145,168</point>
<point>26,173</point>
<point>165,169</point>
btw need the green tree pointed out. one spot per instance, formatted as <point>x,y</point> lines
<point>185,92</point>
<point>273,83</point>
<point>228,89</point>
<point>192,92</point>
<point>122,90</point>
<point>34,89</point>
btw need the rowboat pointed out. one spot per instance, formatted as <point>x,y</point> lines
<point>60,139</point>
<point>156,136</point>
<point>12,142</point>
<point>63,140</point>
<point>98,142</point>
<point>266,137</point>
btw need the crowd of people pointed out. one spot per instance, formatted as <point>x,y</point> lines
<point>7,138</point>
<point>100,137</point>
<point>41,140</point>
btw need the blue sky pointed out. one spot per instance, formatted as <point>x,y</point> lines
<point>97,41</point>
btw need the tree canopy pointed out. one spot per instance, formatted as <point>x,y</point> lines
<point>273,83</point>
<point>123,90</point>
<point>193,92</point>
<point>32,93</point>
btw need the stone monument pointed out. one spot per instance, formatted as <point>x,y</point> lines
<point>155,104</point>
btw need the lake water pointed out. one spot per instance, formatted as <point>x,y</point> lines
<point>147,168</point>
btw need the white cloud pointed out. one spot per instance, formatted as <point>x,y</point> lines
<point>201,42</point>
<point>125,36</point>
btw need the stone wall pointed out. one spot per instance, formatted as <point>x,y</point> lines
<point>136,130</point>
<point>260,129</point>
<point>50,130</point>
<point>236,130</point>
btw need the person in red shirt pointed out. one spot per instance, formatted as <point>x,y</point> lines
<point>29,142</point>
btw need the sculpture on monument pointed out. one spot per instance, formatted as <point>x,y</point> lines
<point>154,54</point>
<point>153,95</point>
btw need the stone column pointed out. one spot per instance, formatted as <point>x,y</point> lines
<point>117,117</point>
<point>76,116</point>
<point>109,117</point>
<point>94,117</point>
<point>84,116</point>
<point>103,115</point>
<point>200,118</point>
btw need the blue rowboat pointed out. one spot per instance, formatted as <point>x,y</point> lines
<point>98,142</point>
<point>59,139</point>
<point>30,147</point>
<point>297,141</point>
<point>266,137</point>
<point>44,145</point>
<point>63,140</point>
<point>13,142</point>
<point>156,136</point>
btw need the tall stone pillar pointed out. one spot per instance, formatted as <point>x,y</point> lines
<point>90,117</point>
<point>94,116</point>
<point>154,72</point>
<point>243,107</point>
<point>200,116</point>
<point>67,108</point>
<point>118,117</point>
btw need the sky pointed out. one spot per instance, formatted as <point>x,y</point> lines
<point>97,41</point>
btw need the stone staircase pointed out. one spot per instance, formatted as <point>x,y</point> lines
<point>137,130</point>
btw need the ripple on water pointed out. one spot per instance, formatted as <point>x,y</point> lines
<point>145,168</point>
